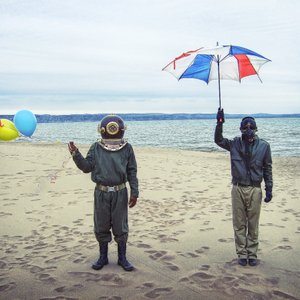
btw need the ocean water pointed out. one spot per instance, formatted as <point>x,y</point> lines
<point>283,134</point>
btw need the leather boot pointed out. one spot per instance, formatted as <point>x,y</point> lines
<point>122,261</point>
<point>103,260</point>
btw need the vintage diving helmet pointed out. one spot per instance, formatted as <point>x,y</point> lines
<point>112,129</point>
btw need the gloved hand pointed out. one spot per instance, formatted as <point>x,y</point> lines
<point>268,195</point>
<point>72,147</point>
<point>220,116</point>
<point>132,201</point>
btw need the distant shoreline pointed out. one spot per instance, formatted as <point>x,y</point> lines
<point>47,118</point>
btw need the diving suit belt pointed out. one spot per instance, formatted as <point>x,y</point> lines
<point>108,189</point>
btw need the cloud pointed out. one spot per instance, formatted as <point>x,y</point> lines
<point>110,53</point>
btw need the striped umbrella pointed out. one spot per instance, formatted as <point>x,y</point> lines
<point>221,62</point>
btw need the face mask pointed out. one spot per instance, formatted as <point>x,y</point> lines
<point>248,129</point>
<point>248,134</point>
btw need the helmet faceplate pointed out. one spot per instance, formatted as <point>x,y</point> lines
<point>112,130</point>
<point>111,127</point>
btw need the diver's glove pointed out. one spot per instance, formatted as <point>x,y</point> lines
<point>268,195</point>
<point>72,148</point>
<point>132,201</point>
<point>220,116</point>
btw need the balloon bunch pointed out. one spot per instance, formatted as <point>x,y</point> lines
<point>24,123</point>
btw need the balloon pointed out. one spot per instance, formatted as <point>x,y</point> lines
<point>25,121</point>
<point>8,130</point>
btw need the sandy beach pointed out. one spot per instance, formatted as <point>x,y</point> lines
<point>181,237</point>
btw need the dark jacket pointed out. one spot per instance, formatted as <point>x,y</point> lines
<point>248,167</point>
<point>110,168</point>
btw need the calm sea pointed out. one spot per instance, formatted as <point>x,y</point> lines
<point>283,134</point>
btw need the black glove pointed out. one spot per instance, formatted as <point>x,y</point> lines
<point>72,148</point>
<point>220,116</point>
<point>132,201</point>
<point>268,195</point>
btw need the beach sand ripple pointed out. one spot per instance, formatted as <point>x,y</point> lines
<point>181,238</point>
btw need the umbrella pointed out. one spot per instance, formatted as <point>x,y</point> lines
<point>216,63</point>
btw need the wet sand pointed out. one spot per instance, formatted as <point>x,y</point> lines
<point>181,237</point>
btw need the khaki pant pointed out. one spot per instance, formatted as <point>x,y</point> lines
<point>246,205</point>
<point>111,212</point>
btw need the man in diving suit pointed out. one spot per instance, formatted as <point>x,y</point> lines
<point>112,163</point>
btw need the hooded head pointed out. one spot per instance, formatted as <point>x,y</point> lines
<point>248,129</point>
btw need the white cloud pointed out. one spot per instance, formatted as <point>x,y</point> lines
<point>110,53</point>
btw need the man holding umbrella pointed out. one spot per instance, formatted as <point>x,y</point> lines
<point>251,162</point>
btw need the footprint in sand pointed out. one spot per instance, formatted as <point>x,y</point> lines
<point>3,264</point>
<point>155,255</point>
<point>109,279</point>
<point>145,246</point>
<point>283,295</point>
<point>4,214</point>
<point>165,239</point>
<point>178,232</point>
<point>271,224</point>
<point>205,267</point>
<point>35,269</point>
<point>285,240</point>
<point>283,248</point>
<point>158,292</point>
<point>8,286</point>
<point>207,229</point>
<point>146,285</point>
<point>56,259</point>
<point>9,204</point>
<point>109,298</point>
<point>164,258</point>
<point>171,266</point>
<point>72,288</point>
<point>202,250</point>
<point>45,278</point>
<point>228,240</point>
<point>226,220</point>
<point>79,259</point>
<point>200,278</point>
<point>59,298</point>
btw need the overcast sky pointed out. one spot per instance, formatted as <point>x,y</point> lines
<point>103,56</point>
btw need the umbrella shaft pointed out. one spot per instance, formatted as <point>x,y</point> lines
<point>219,83</point>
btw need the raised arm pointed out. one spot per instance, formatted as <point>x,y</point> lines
<point>87,164</point>
<point>219,139</point>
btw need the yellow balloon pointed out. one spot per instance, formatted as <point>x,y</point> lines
<point>8,130</point>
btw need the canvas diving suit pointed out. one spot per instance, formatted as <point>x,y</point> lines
<point>110,169</point>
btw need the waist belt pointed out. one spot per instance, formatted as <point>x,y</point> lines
<point>107,189</point>
<point>255,184</point>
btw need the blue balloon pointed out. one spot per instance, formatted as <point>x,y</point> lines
<point>25,121</point>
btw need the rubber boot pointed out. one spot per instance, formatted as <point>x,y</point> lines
<point>122,261</point>
<point>103,260</point>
